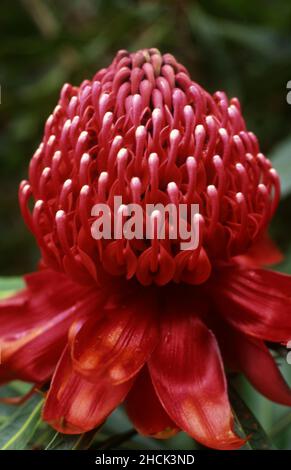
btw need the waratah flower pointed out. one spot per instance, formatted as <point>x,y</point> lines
<point>141,321</point>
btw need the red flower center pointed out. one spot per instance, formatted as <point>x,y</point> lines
<point>143,130</point>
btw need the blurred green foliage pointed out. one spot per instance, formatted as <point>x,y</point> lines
<point>239,46</point>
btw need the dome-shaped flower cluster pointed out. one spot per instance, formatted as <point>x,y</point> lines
<point>143,130</point>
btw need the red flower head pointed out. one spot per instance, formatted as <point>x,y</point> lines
<point>140,320</point>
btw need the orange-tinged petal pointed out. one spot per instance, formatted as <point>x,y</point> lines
<point>74,405</point>
<point>188,376</point>
<point>117,345</point>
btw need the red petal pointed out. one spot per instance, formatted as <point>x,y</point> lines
<point>74,405</point>
<point>258,365</point>
<point>188,376</point>
<point>200,272</point>
<point>145,410</point>
<point>35,323</point>
<point>256,301</point>
<point>118,345</point>
<point>263,253</point>
<point>251,356</point>
<point>164,273</point>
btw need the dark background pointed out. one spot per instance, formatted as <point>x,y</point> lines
<point>242,47</point>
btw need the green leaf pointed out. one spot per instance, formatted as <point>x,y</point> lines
<point>8,285</point>
<point>71,442</point>
<point>16,432</point>
<point>13,389</point>
<point>248,425</point>
<point>281,159</point>
<point>118,421</point>
<point>261,40</point>
<point>282,425</point>
<point>116,441</point>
